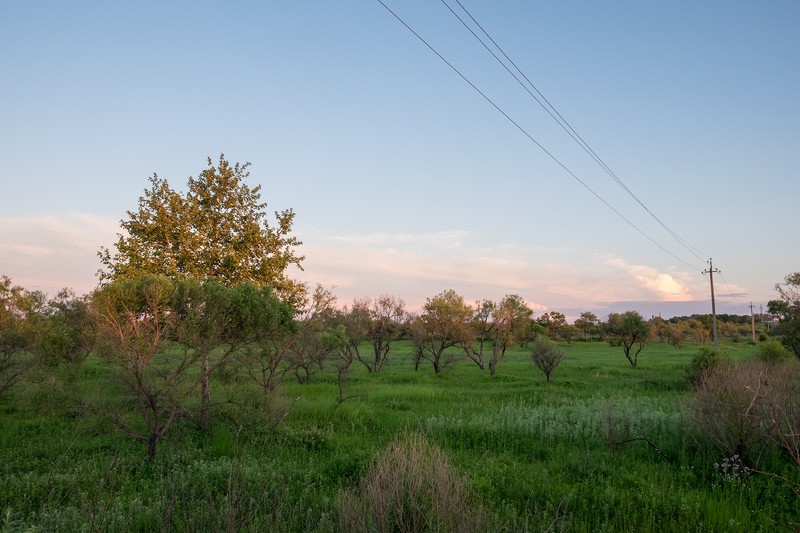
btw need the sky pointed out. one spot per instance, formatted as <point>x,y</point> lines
<point>405,179</point>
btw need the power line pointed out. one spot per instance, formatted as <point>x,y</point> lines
<point>735,299</point>
<point>528,135</point>
<point>560,120</point>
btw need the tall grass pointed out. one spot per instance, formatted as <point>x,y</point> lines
<point>603,447</point>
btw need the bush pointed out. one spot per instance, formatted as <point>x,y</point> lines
<point>412,487</point>
<point>546,356</point>
<point>743,407</point>
<point>706,360</point>
<point>773,351</point>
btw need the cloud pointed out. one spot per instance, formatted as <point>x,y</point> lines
<point>418,266</point>
<point>50,252</point>
<point>661,286</point>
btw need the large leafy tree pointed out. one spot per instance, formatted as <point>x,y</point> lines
<point>788,310</point>
<point>217,231</point>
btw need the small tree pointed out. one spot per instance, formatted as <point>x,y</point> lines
<point>216,321</point>
<point>531,330</point>
<point>136,319</point>
<point>342,356</point>
<point>587,324</point>
<point>311,345</point>
<point>379,322</point>
<point>66,332</point>
<point>630,330</point>
<point>509,318</point>
<point>568,332</point>
<point>444,324</point>
<point>546,356</point>
<point>18,313</point>
<point>552,321</point>
<point>484,328</point>
<point>700,331</point>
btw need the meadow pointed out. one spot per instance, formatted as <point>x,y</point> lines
<point>602,447</point>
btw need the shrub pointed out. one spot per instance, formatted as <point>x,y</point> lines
<point>412,487</point>
<point>706,360</point>
<point>773,351</point>
<point>723,404</point>
<point>546,356</point>
<point>778,412</point>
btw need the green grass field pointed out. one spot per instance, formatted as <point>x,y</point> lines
<point>603,447</point>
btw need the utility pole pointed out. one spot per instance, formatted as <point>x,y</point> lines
<point>753,322</point>
<point>710,271</point>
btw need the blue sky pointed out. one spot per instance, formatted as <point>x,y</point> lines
<point>406,181</point>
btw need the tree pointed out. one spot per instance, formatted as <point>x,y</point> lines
<point>217,231</point>
<point>509,318</point>
<point>551,321</point>
<point>216,321</point>
<point>264,359</point>
<point>380,322</point>
<point>659,328</point>
<point>313,342</point>
<point>587,324</point>
<point>343,357</point>
<point>677,334</point>
<point>629,329</point>
<point>546,356</point>
<point>66,331</point>
<point>483,327</point>
<point>160,334</point>
<point>700,330</point>
<point>787,309</point>
<point>135,322</point>
<point>443,324</point>
<point>18,312</point>
<point>530,331</point>
<point>567,332</point>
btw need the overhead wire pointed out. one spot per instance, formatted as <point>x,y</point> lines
<point>727,286</point>
<point>528,135</point>
<point>555,115</point>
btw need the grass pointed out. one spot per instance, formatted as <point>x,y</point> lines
<point>603,447</point>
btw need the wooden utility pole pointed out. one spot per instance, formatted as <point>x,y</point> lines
<point>710,271</point>
<point>753,322</point>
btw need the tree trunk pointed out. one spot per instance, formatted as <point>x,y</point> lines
<point>152,445</point>
<point>205,396</point>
